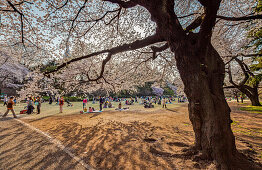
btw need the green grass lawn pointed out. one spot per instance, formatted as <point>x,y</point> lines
<point>48,110</point>
<point>256,109</point>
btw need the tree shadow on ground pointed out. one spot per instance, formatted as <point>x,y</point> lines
<point>96,114</point>
<point>115,145</point>
<point>22,148</point>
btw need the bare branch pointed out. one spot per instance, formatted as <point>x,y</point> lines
<point>125,47</point>
<point>128,4</point>
<point>20,3</point>
<point>185,16</point>
<point>21,19</point>
<point>241,54</point>
<point>244,71</point>
<point>230,77</point>
<point>244,18</point>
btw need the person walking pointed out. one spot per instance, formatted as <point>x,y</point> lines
<point>10,106</point>
<point>61,104</point>
<point>38,104</point>
<point>5,100</point>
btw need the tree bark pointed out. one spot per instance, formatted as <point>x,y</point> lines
<point>208,110</point>
<point>252,94</point>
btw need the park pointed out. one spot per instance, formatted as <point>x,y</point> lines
<point>131,84</point>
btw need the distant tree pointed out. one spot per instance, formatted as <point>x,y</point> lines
<point>157,91</point>
<point>12,73</point>
<point>248,85</point>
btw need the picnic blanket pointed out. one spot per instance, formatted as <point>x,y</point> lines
<point>122,109</point>
<point>96,111</point>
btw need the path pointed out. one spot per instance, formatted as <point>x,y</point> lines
<point>23,148</point>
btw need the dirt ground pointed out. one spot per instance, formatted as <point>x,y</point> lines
<point>139,139</point>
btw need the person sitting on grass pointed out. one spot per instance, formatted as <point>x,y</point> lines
<point>105,104</point>
<point>119,106</point>
<point>110,105</point>
<point>90,109</point>
<point>10,106</point>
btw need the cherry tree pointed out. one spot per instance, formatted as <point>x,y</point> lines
<point>158,91</point>
<point>126,29</point>
<point>12,73</point>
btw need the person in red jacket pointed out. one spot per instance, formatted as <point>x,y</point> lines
<point>10,106</point>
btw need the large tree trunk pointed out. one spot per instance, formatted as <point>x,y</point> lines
<point>252,94</point>
<point>255,100</point>
<point>203,76</point>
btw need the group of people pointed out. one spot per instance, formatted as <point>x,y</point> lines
<point>31,102</point>
<point>106,101</point>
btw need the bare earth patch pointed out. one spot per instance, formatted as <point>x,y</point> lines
<point>152,139</point>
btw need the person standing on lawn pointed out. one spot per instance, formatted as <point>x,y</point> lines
<point>84,103</point>
<point>30,106</point>
<point>61,104</point>
<point>164,102</point>
<point>101,101</point>
<point>38,104</point>
<point>10,106</point>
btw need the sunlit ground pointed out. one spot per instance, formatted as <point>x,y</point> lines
<point>140,138</point>
<point>53,109</point>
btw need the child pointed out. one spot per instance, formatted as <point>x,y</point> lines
<point>90,109</point>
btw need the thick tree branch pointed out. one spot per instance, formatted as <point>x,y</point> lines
<point>230,77</point>
<point>125,47</point>
<point>249,17</point>
<point>158,49</point>
<point>209,21</point>
<point>229,87</point>
<point>196,23</point>
<point>244,71</point>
